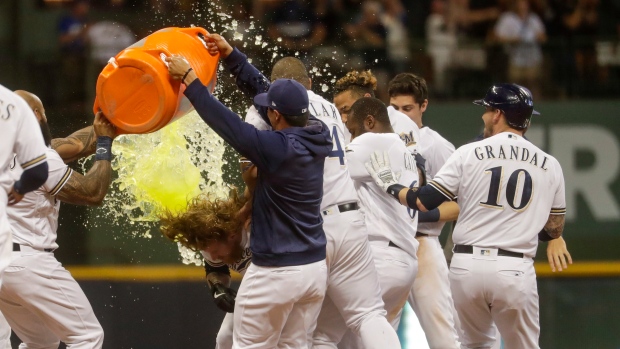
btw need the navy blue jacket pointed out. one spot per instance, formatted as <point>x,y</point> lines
<point>287,228</point>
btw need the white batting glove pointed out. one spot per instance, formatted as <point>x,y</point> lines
<point>380,170</point>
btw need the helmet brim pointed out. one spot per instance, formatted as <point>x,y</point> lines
<point>481,102</point>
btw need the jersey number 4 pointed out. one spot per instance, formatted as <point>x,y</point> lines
<point>338,153</point>
<point>519,180</point>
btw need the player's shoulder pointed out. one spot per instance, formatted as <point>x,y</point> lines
<point>322,108</point>
<point>13,107</point>
<point>427,132</point>
<point>53,159</point>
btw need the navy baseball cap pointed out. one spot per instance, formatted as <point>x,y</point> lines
<point>286,96</point>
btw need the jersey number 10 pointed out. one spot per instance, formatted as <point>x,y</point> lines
<point>519,180</point>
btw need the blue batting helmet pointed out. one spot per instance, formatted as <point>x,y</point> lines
<point>514,100</point>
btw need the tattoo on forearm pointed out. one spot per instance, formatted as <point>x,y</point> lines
<point>88,190</point>
<point>78,145</point>
<point>555,225</point>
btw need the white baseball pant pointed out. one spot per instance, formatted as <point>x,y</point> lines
<point>45,305</point>
<point>224,339</point>
<point>396,270</point>
<point>490,289</point>
<point>353,299</point>
<point>430,296</point>
<point>277,307</point>
<point>5,333</point>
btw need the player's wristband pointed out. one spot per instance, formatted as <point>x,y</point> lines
<point>429,216</point>
<point>395,189</point>
<point>187,72</point>
<point>104,148</point>
<point>544,236</point>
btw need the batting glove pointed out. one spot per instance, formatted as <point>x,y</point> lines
<point>380,170</point>
<point>224,297</point>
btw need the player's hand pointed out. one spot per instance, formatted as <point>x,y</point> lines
<point>558,254</point>
<point>103,127</point>
<point>216,44</point>
<point>177,66</point>
<point>224,297</point>
<point>380,170</point>
<point>14,196</point>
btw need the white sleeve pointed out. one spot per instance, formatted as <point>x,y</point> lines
<point>559,198</point>
<point>448,178</point>
<point>29,146</point>
<point>355,162</point>
<point>440,152</point>
<point>252,117</point>
<point>59,174</point>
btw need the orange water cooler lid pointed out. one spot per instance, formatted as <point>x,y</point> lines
<point>135,90</point>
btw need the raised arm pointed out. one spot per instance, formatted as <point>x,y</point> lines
<point>79,144</point>
<point>90,189</point>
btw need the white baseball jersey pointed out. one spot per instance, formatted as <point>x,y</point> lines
<point>241,265</point>
<point>35,219</point>
<point>507,187</point>
<point>20,134</point>
<point>337,185</point>
<point>406,129</point>
<point>385,217</point>
<point>435,150</point>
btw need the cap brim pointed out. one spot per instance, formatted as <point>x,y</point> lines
<point>481,102</point>
<point>261,99</point>
<point>534,112</point>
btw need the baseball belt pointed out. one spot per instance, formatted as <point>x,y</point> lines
<point>333,209</point>
<point>17,247</point>
<point>468,249</point>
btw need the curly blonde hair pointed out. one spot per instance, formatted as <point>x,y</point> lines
<point>205,220</point>
<point>358,82</point>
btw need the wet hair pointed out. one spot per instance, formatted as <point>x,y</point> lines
<point>358,83</point>
<point>291,68</point>
<point>369,106</point>
<point>204,220</point>
<point>408,84</point>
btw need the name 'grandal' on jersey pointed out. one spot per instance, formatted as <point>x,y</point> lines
<point>510,152</point>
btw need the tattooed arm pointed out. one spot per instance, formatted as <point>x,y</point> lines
<point>78,145</point>
<point>90,189</point>
<point>555,225</point>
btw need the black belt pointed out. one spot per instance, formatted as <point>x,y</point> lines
<point>351,206</point>
<point>418,234</point>
<point>17,248</point>
<point>500,252</point>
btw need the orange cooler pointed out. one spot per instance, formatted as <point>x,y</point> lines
<point>135,91</point>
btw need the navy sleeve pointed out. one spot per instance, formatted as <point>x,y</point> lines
<point>248,79</point>
<point>266,149</point>
<point>32,178</point>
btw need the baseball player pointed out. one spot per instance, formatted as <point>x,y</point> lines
<point>21,136</point>
<point>280,299</point>
<point>222,235</point>
<point>355,85</point>
<point>391,229</point>
<point>511,195</point>
<point>353,297</point>
<point>39,298</point>
<point>430,295</point>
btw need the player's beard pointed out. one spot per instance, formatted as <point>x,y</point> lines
<point>234,256</point>
<point>45,130</point>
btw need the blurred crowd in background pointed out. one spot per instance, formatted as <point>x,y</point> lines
<point>558,48</point>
